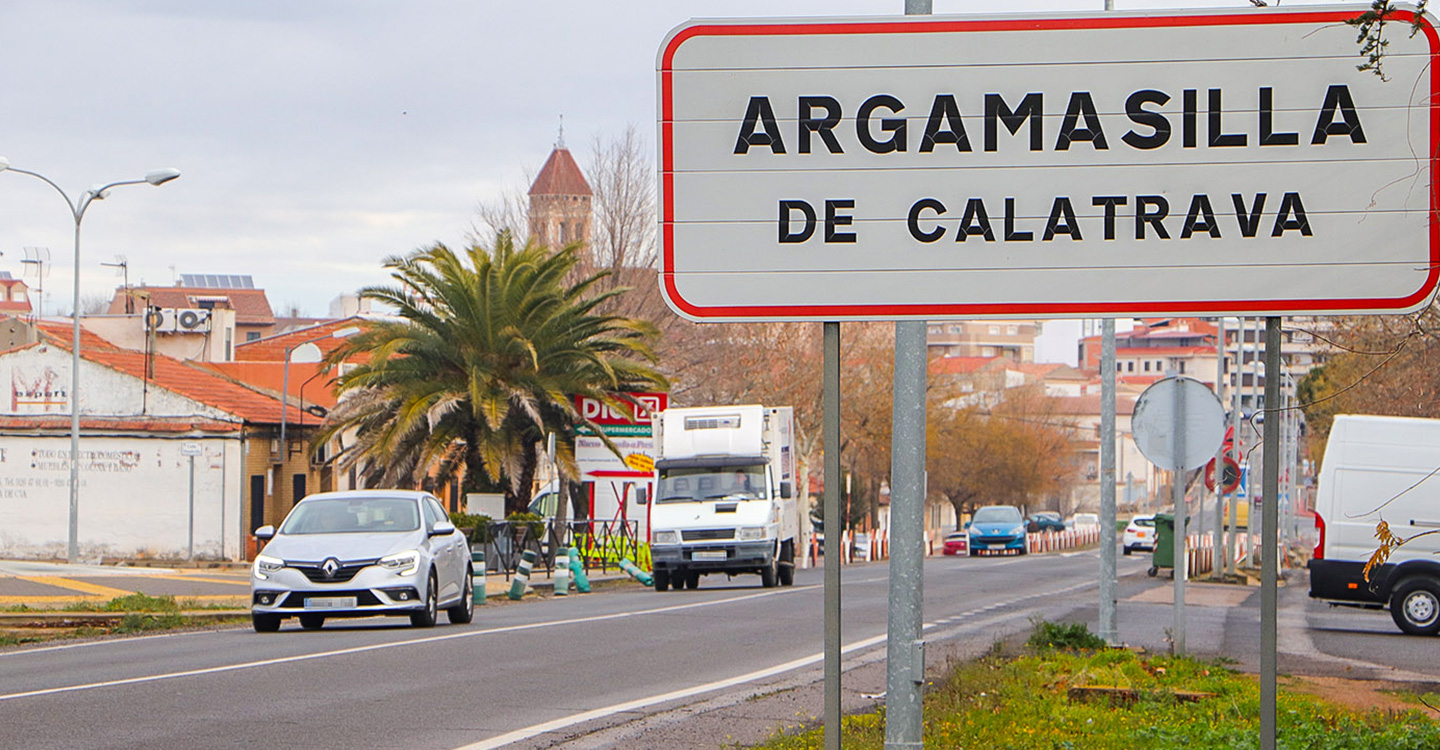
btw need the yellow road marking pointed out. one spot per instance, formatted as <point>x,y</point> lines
<point>39,601</point>
<point>231,581</point>
<point>73,585</point>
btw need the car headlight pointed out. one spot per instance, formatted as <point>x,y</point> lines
<point>751,534</point>
<point>1018,530</point>
<point>401,563</point>
<point>266,565</point>
<point>665,537</point>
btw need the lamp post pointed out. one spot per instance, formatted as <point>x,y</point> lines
<point>285,377</point>
<point>77,212</point>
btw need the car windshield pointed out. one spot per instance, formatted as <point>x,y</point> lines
<point>997,514</point>
<point>691,485</point>
<point>351,515</point>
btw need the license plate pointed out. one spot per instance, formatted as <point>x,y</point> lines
<point>330,602</point>
<point>997,546</point>
<point>708,554</point>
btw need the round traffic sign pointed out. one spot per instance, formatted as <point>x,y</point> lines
<point>1154,423</point>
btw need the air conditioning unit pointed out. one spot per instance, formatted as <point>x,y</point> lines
<point>183,320</point>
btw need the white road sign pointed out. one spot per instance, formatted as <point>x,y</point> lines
<point>1194,162</point>
<point>1157,421</point>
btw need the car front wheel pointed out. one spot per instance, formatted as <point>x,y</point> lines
<point>312,622</point>
<point>464,610</point>
<point>265,623</point>
<point>427,618</point>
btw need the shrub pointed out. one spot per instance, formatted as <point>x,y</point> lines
<point>1073,636</point>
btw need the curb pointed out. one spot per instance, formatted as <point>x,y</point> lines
<point>76,619</point>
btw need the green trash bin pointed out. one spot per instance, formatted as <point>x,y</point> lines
<point>1164,555</point>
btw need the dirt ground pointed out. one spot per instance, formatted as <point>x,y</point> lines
<point>1361,695</point>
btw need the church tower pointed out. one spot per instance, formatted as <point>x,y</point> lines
<point>560,201</point>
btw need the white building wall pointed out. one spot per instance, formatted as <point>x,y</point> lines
<point>134,498</point>
<point>39,383</point>
<point>134,494</point>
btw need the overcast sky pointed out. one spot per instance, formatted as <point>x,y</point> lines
<point>317,137</point>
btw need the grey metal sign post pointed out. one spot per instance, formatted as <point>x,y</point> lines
<point>1179,424</point>
<point>191,450</point>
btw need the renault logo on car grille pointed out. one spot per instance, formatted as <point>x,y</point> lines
<point>330,566</point>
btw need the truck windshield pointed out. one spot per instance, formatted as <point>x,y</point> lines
<point>692,485</point>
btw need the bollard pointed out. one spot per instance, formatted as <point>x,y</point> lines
<point>577,571</point>
<point>636,573</point>
<point>522,575</point>
<point>477,575</point>
<point>562,573</point>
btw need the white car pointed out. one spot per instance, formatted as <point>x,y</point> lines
<point>361,553</point>
<point>1140,534</point>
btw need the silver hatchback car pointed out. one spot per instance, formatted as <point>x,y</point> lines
<point>361,553</point>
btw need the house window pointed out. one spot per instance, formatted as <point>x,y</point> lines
<point>1011,330</point>
<point>1147,365</point>
<point>1119,367</point>
<point>1181,366</point>
<point>994,330</point>
<point>1130,367</point>
<point>252,335</point>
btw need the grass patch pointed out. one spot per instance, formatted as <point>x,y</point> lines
<point>1022,702</point>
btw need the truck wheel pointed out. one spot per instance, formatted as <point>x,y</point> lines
<point>1415,606</point>
<point>662,579</point>
<point>692,580</point>
<point>767,576</point>
<point>786,571</point>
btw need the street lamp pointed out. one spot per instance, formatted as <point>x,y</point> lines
<point>285,376</point>
<point>77,212</point>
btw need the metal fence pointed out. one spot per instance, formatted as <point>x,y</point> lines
<point>602,544</point>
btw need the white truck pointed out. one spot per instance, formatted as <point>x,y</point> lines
<point>724,498</point>
<point>1380,468</point>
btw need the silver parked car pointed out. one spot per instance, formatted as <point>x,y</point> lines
<point>361,553</point>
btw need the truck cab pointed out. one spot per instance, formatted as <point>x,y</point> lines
<point>723,499</point>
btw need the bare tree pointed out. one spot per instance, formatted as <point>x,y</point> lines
<point>622,175</point>
<point>508,212</point>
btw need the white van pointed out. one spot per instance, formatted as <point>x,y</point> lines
<point>1380,468</point>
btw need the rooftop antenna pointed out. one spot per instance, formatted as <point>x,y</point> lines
<point>122,263</point>
<point>39,258</point>
<point>560,141</point>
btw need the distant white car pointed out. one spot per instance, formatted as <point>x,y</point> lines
<point>1086,520</point>
<point>1140,534</point>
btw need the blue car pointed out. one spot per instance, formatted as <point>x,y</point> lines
<point>997,530</point>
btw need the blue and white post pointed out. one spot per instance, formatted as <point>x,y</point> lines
<point>562,573</point>
<point>477,575</point>
<point>522,575</point>
<point>577,571</point>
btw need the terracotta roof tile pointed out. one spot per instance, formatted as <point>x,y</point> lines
<point>251,306</point>
<point>560,176</point>
<point>187,379</point>
<point>152,424</point>
<point>272,348</point>
<point>305,380</point>
<point>963,365</point>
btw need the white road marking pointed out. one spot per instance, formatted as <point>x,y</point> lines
<point>396,644</point>
<point>538,729</point>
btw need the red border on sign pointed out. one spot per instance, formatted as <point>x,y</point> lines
<point>1051,309</point>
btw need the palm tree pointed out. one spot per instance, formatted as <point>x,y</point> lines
<point>489,350</point>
